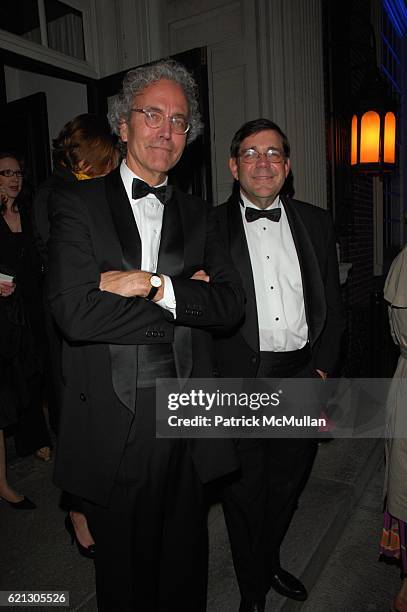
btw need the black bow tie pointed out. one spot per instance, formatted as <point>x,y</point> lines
<point>252,214</point>
<point>140,189</point>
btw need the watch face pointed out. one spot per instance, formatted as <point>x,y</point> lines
<point>155,281</point>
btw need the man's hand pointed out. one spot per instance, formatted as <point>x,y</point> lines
<point>6,289</point>
<point>129,283</point>
<point>323,375</point>
<point>200,275</point>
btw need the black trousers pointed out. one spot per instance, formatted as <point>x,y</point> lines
<point>244,502</point>
<point>259,506</point>
<point>151,541</point>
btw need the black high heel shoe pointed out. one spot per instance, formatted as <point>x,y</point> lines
<point>85,551</point>
<point>24,504</point>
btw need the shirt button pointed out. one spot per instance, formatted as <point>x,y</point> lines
<point>267,256</point>
<point>271,287</point>
<point>277,319</point>
<point>264,228</point>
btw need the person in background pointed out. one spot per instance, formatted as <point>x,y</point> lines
<point>8,398</point>
<point>23,329</point>
<point>285,252</point>
<point>14,499</point>
<point>394,537</point>
<point>84,149</point>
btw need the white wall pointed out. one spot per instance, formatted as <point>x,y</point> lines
<point>65,99</point>
<point>265,60</point>
<point>228,29</point>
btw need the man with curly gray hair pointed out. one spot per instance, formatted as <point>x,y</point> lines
<point>137,80</point>
<point>137,278</point>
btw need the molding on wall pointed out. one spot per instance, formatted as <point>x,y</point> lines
<point>217,25</point>
<point>19,45</point>
<point>290,66</point>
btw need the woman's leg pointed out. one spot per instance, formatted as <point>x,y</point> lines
<point>5,490</point>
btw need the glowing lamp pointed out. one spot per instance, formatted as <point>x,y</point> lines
<point>373,141</point>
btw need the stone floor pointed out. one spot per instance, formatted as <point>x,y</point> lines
<point>332,543</point>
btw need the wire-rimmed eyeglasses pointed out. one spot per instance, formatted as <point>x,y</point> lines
<point>249,156</point>
<point>154,118</point>
<point>9,173</point>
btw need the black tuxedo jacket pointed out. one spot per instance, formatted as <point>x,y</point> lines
<point>312,230</point>
<point>93,230</point>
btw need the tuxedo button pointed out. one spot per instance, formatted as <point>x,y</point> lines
<point>200,313</point>
<point>82,397</point>
<point>148,333</point>
<point>161,334</point>
<point>254,359</point>
<point>154,334</point>
<point>215,373</point>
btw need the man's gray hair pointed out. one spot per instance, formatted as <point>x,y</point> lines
<point>138,79</point>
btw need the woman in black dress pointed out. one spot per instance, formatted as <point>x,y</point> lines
<point>22,330</point>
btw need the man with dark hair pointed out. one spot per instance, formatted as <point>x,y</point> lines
<point>127,288</point>
<point>285,252</point>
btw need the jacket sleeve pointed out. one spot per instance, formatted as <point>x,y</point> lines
<point>86,314</point>
<point>81,310</point>
<point>219,304</point>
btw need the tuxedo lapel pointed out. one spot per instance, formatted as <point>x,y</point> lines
<point>313,288</point>
<point>175,228</point>
<point>124,357</point>
<point>124,221</point>
<point>241,258</point>
<point>171,253</point>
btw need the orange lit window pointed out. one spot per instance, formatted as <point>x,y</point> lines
<point>389,138</point>
<point>369,138</point>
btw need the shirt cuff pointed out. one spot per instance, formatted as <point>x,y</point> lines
<point>168,301</point>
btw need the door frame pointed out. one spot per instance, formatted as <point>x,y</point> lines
<point>193,172</point>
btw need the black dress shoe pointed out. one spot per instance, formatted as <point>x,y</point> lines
<point>249,605</point>
<point>288,585</point>
<point>24,504</point>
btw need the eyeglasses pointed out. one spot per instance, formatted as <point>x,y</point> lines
<point>9,173</point>
<point>249,156</point>
<point>155,118</point>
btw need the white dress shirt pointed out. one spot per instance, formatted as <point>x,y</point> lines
<point>277,281</point>
<point>148,215</point>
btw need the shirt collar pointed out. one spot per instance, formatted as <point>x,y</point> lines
<point>245,202</point>
<point>128,175</point>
